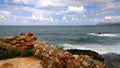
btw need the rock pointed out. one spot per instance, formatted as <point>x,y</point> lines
<point>90,53</point>
<point>112,60</point>
<point>51,57</point>
<point>20,42</point>
<point>85,64</point>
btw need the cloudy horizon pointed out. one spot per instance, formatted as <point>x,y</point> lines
<point>59,12</point>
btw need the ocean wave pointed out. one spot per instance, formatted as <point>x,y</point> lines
<point>104,34</point>
<point>102,49</point>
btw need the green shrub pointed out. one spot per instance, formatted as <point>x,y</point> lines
<point>59,47</point>
<point>12,53</point>
<point>8,53</point>
<point>26,53</point>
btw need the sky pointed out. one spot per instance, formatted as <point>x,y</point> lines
<point>59,12</point>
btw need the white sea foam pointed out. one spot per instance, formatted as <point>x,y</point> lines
<point>102,49</point>
<point>104,34</point>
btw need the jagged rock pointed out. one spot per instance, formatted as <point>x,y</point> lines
<point>19,42</point>
<point>90,53</point>
<point>51,57</point>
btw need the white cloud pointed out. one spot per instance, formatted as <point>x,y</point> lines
<point>24,1</point>
<point>54,11</point>
<point>51,19</point>
<point>5,16</point>
<point>35,11</point>
<point>80,9</point>
<point>107,19</point>
<point>46,3</point>
<point>75,10</point>
<point>74,19</point>
<point>5,12</point>
<point>64,18</point>
<point>40,18</point>
<point>112,19</point>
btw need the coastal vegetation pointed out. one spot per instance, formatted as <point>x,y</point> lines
<point>59,47</point>
<point>26,53</point>
<point>8,53</point>
<point>12,53</point>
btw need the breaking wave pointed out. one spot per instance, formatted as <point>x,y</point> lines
<point>102,49</point>
<point>104,34</point>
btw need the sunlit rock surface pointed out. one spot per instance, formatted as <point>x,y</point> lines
<point>49,57</point>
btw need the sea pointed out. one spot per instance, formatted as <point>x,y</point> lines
<point>102,39</point>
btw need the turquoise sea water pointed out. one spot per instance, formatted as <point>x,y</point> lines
<point>103,39</point>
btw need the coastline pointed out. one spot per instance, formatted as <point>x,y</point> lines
<point>50,56</point>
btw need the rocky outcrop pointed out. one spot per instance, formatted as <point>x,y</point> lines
<point>50,57</point>
<point>90,53</point>
<point>24,41</point>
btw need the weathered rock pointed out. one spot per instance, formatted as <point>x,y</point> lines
<point>90,53</point>
<point>52,57</point>
<point>19,42</point>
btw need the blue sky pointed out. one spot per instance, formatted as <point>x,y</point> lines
<point>59,12</point>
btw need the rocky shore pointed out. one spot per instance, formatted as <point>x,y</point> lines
<point>112,60</point>
<point>49,56</point>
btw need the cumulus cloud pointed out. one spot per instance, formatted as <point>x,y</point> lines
<point>5,16</point>
<point>47,3</point>
<point>64,19</point>
<point>8,18</point>
<point>74,19</point>
<point>56,11</point>
<point>112,19</point>
<point>37,11</point>
<point>73,10</point>
<point>80,9</point>
<point>106,19</point>
<point>5,12</point>
<point>40,18</point>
